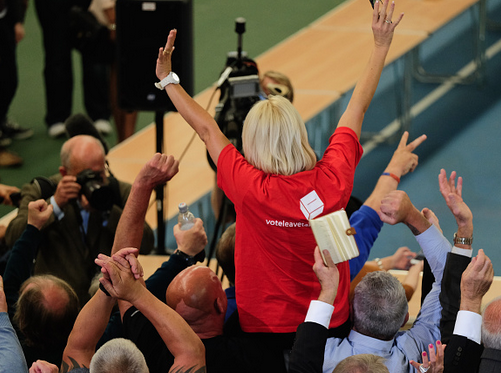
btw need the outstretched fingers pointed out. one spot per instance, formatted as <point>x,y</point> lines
<point>418,141</point>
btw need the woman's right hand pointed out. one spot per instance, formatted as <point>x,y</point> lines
<point>164,65</point>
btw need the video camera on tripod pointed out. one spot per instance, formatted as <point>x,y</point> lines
<point>240,90</point>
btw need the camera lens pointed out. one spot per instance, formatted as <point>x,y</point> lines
<point>99,196</point>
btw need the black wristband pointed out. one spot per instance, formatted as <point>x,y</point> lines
<point>190,260</point>
<point>101,286</point>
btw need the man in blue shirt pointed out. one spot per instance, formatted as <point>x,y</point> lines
<point>11,354</point>
<point>379,305</point>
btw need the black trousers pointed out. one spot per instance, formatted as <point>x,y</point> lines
<point>58,69</point>
<point>8,66</point>
<point>53,16</point>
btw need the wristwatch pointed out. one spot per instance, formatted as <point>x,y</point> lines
<point>190,260</point>
<point>171,78</point>
<point>462,240</point>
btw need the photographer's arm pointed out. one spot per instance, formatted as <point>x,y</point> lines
<point>198,118</point>
<point>367,84</point>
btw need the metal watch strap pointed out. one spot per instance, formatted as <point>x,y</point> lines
<point>462,240</point>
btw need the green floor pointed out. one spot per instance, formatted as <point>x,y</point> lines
<point>268,23</point>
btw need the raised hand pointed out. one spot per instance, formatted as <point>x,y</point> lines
<point>158,170</point>
<point>193,240</point>
<point>432,218</point>
<point>164,64</point>
<point>118,280</point>
<point>476,281</point>
<point>127,258</point>
<point>452,194</point>
<point>396,207</point>
<point>328,276</point>
<point>403,160</point>
<point>435,364</point>
<point>39,212</point>
<point>382,24</point>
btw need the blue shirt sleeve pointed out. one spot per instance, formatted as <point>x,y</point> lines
<point>367,224</point>
<point>11,354</point>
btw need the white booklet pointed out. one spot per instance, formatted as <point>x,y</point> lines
<point>333,232</point>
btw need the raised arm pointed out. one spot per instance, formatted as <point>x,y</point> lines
<point>382,28</point>
<point>402,162</point>
<point>158,170</point>
<point>396,207</point>
<point>365,222</point>
<point>456,263</point>
<point>452,194</point>
<point>87,330</point>
<point>187,349</point>
<point>197,117</point>
<point>307,354</point>
<point>20,263</point>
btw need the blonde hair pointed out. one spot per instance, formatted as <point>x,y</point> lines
<point>283,80</point>
<point>362,363</point>
<point>275,140</point>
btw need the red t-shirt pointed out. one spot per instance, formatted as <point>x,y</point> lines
<point>274,243</point>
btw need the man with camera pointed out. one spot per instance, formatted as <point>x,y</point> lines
<point>87,204</point>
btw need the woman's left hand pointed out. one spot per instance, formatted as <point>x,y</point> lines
<point>435,364</point>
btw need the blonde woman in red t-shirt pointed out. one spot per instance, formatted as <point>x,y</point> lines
<point>279,185</point>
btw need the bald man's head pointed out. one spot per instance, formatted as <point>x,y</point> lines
<point>197,295</point>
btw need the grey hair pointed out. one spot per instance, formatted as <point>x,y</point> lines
<point>491,324</point>
<point>118,355</point>
<point>362,363</point>
<point>379,305</point>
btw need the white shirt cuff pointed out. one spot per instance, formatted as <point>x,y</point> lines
<point>320,312</point>
<point>57,210</point>
<point>468,324</point>
<point>463,252</point>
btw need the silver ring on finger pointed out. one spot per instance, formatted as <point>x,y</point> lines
<point>388,21</point>
<point>422,369</point>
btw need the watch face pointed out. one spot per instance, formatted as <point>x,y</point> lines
<point>175,78</point>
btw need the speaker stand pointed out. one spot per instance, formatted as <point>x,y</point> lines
<point>159,190</point>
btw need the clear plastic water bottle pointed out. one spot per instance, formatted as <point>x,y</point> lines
<point>185,218</point>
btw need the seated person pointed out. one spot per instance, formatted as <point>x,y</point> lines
<point>77,230</point>
<point>42,307</point>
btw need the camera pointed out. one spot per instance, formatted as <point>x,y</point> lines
<point>240,90</point>
<point>99,194</point>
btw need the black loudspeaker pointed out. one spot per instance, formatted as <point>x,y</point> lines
<point>142,28</point>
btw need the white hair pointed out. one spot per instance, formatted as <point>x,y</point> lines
<point>118,355</point>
